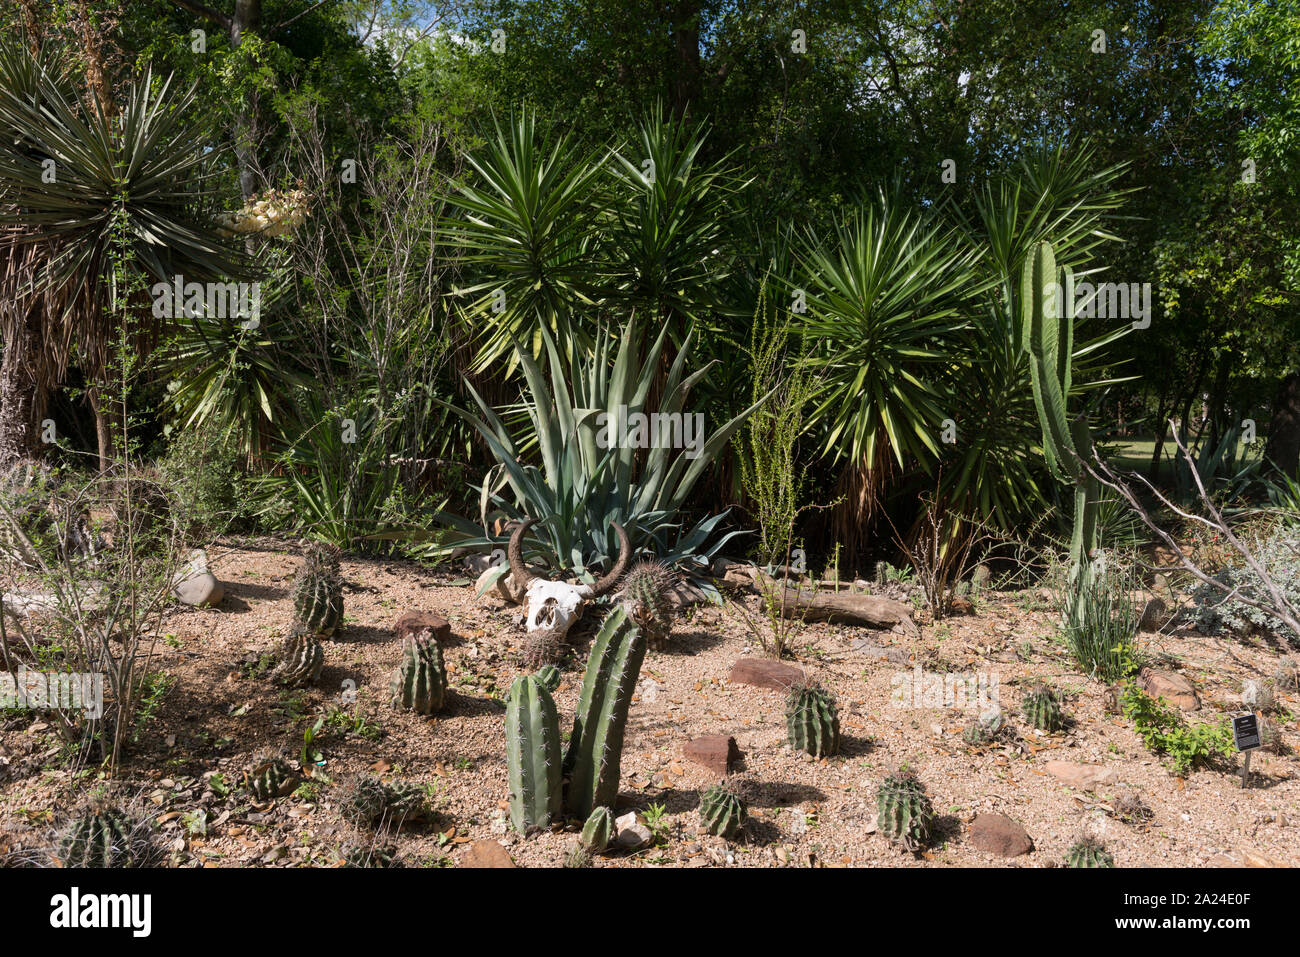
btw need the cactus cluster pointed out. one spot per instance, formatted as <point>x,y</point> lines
<point>903,810</point>
<point>1088,852</point>
<point>722,812</point>
<point>812,721</point>
<point>591,762</point>
<point>271,778</point>
<point>106,837</point>
<point>318,591</point>
<point>299,662</point>
<point>1042,708</point>
<point>594,839</point>
<point>369,803</point>
<point>420,682</point>
<point>645,596</point>
<point>984,729</point>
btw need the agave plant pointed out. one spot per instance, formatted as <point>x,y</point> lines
<point>580,489</point>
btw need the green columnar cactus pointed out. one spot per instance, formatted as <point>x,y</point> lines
<point>104,837</point>
<point>1043,709</point>
<point>271,778</point>
<point>548,676</point>
<point>300,661</point>
<point>1088,852</point>
<point>532,755</point>
<point>721,811</point>
<point>1048,337</point>
<point>420,684</point>
<point>318,591</point>
<point>591,762</point>
<point>594,839</point>
<point>645,597</point>
<point>904,813</point>
<point>812,721</point>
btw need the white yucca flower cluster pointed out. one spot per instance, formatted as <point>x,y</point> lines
<point>273,214</point>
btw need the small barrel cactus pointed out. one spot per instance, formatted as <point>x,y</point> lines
<point>722,812</point>
<point>420,683</point>
<point>645,596</point>
<point>548,676</point>
<point>594,839</point>
<point>812,721</point>
<point>318,591</point>
<point>984,729</point>
<point>370,803</point>
<point>1042,708</point>
<point>106,837</point>
<point>271,778</point>
<point>1287,675</point>
<point>903,810</point>
<point>1088,852</point>
<point>545,647</point>
<point>300,660</point>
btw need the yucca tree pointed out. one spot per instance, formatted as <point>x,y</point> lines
<point>528,227</point>
<point>117,198</point>
<point>885,300</point>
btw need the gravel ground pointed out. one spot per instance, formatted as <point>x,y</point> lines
<point>216,721</point>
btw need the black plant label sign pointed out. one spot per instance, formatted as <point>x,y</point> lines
<point>1245,731</point>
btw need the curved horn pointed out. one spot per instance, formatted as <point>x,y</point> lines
<point>620,566</point>
<point>515,553</point>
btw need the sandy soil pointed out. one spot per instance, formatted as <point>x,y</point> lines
<point>803,812</point>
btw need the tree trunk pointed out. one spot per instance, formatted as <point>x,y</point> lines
<point>1283,448</point>
<point>686,38</point>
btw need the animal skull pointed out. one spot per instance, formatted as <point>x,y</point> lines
<point>555,606</point>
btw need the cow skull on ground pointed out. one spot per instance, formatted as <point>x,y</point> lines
<point>555,606</point>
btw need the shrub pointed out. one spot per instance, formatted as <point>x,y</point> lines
<point>1163,731</point>
<point>1099,620</point>
<point>1277,550</point>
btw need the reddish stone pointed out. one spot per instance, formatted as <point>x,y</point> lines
<point>1174,688</point>
<point>486,854</point>
<point>765,673</point>
<point>414,622</point>
<point>717,752</point>
<point>1000,836</point>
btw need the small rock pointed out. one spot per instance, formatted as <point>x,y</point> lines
<point>717,752</point>
<point>486,854</point>
<point>632,832</point>
<point>1084,777</point>
<point>1174,688</point>
<point>199,589</point>
<point>1000,836</point>
<point>413,622</point>
<point>765,673</point>
<point>865,646</point>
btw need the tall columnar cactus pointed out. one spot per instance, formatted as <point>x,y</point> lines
<point>722,812</point>
<point>318,591</point>
<point>645,597</point>
<point>105,837</point>
<point>904,813</point>
<point>591,762</point>
<point>420,683</point>
<point>1048,338</point>
<point>812,721</point>
<point>532,755</point>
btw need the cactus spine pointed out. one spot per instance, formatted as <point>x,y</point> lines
<point>721,811</point>
<point>420,684</point>
<point>1048,337</point>
<point>645,597</point>
<point>1043,709</point>
<point>532,755</point>
<point>904,813</point>
<point>812,721</point>
<point>103,837</point>
<point>591,762</point>
<point>1088,852</point>
<point>318,591</point>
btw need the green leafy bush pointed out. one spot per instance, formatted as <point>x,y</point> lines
<point>1163,731</point>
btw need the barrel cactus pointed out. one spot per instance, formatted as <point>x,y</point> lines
<point>104,836</point>
<point>645,596</point>
<point>548,676</point>
<point>984,729</point>
<point>594,839</point>
<point>1088,852</point>
<point>1042,708</point>
<point>532,755</point>
<point>371,803</point>
<point>904,813</point>
<point>812,721</point>
<point>543,647</point>
<point>722,812</point>
<point>318,591</point>
<point>420,683</point>
<point>271,778</point>
<point>300,660</point>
